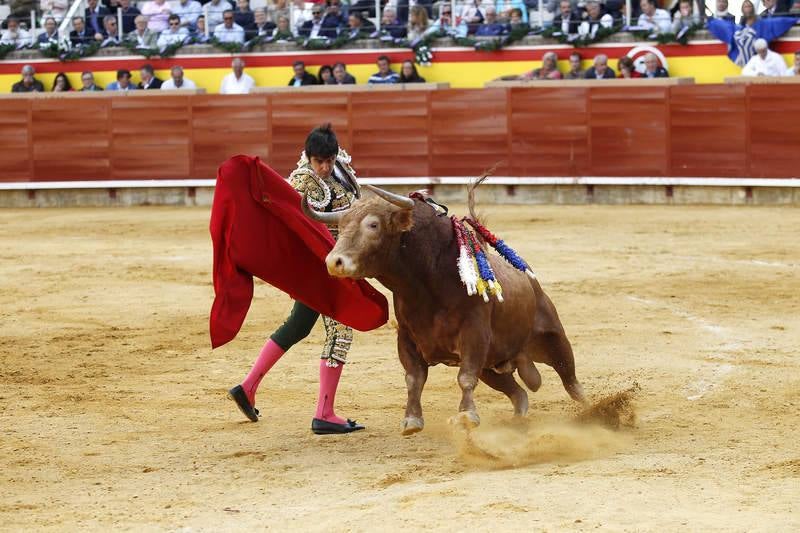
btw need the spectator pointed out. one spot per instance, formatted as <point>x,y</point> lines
<point>110,35</point>
<point>282,32</point>
<point>654,19</point>
<point>237,82</point>
<point>123,82</point>
<point>548,70</point>
<point>356,27</point>
<point>341,76</point>
<point>418,23</point>
<point>764,62</point>
<point>404,9</point>
<point>334,18</point>
<point>775,8</point>
<point>87,80</point>
<point>794,70</point>
<point>243,15</point>
<point>177,81</point>
<point>199,33</point>
<point>575,71</point>
<point>748,10</point>
<point>409,74</point>
<point>491,27</point>
<point>57,9</point>
<point>626,68</point>
<point>28,84</point>
<point>261,27</point>
<point>149,80</point>
<point>93,15</point>
<point>445,23</point>
<point>276,10</point>
<point>596,19</point>
<point>685,18</point>
<point>216,8</point>
<point>504,8</point>
<point>229,31</point>
<point>129,14</point>
<point>600,70</point>
<point>325,75</point>
<point>175,34</point>
<point>391,25</point>
<point>300,14</point>
<point>652,69</point>
<point>301,77</point>
<point>157,13</point>
<point>80,33</point>
<point>314,29</point>
<point>14,34</point>
<point>188,11</point>
<point>50,34</point>
<point>473,15</point>
<point>142,36</point>
<point>365,7</point>
<point>385,74</point>
<point>568,19</point>
<point>61,83</point>
<point>516,19</point>
<point>722,11</point>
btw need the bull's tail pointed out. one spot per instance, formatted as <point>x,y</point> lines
<point>474,185</point>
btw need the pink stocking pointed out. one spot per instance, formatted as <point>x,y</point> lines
<point>269,355</point>
<point>328,382</point>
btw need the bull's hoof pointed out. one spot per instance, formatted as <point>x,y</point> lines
<point>466,419</point>
<point>412,424</point>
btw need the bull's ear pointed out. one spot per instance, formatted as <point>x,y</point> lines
<point>403,219</point>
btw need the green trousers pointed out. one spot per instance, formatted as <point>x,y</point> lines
<point>338,337</point>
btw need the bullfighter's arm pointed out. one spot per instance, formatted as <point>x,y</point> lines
<point>305,182</point>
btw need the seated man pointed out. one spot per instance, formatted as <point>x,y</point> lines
<point>123,82</point>
<point>87,82</point>
<point>80,34</point>
<point>491,26</point>
<point>243,15</point>
<point>314,29</point>
<point>14,34</point>
<point>652,69</point>
<point>548,70</point>
<point>654,19</point>
<point>174,34</point>
<point>28,84</point>
<point>334,19</point>
<point>568,19</point>
<point>341,76</point>
<point>384,74</point>
<point>142,35</point>
<point>301,76</point>
<point>50,34</point>
<point>596,18</point>
<point>445,23</point>
<point>229,31</point>
<point>261,27</point>
<point>391,25</point>
<point>575,70</point>
<point>110,35</point>
<point>600,70</point>
<point>357,27</point>
<point>237,82</point>
<point>188,11</point>
<point>177,81</point>
<point>764,62</point>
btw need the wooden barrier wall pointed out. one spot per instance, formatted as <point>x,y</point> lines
<point>682,131</point>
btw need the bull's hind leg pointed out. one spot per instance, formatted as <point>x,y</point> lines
<point>416,376</point>
<point>554,349</point>
<point>506,384</point>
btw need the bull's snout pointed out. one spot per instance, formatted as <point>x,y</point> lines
<point>340,265</point>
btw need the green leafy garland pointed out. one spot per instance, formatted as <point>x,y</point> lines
<point>168,51</point>
<point>579,41</point>
<point>669,37</point>
<point>55,51</point>
<point>5,49</point>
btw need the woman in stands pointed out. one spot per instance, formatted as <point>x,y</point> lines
<point>325,75</point>
<point>409,74</point>
<point>748,10</point>
<point>61,83</point>
<point>627,69</point>
<point>418,22</point>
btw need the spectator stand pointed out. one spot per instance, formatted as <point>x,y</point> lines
<point>616,82</point>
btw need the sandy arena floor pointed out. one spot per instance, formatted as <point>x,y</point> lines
<point>113,411</point>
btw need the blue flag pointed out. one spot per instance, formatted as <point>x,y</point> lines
<point>740,38</point>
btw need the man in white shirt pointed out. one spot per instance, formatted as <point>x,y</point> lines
<point>188,11</point>
<point>14,34</point>
<point>795,69</point>
<point>765,62</point>
<point>215,10</point>
<point>177,81</point>
<point>653,19</point>
<point>173,34</point>
<point>229,31</point>
<point>237,82</point>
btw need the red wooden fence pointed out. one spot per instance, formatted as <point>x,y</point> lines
<point>681,130</point>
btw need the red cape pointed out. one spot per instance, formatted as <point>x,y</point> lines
<point>258,229</point>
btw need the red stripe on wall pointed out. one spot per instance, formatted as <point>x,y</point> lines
<point>369,57</point>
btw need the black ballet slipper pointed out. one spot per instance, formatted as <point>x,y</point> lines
<point>237,395</point>
<point>323,427</point>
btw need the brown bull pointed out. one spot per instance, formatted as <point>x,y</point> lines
<point>413,252</point>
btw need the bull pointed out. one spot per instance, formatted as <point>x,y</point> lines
<point>404,244</point>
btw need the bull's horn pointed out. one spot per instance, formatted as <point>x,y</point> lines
<point>400,201</point>
<point>331,219</point>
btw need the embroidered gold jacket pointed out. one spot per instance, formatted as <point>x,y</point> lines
<point>326,194</point>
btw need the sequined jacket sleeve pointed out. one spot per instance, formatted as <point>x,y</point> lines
<point>304,182</point>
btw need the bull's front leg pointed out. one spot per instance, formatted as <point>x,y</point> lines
<point>474,349</point>
<point>416,375</point>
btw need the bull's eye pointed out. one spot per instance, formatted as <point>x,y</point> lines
<point>373,225</point>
